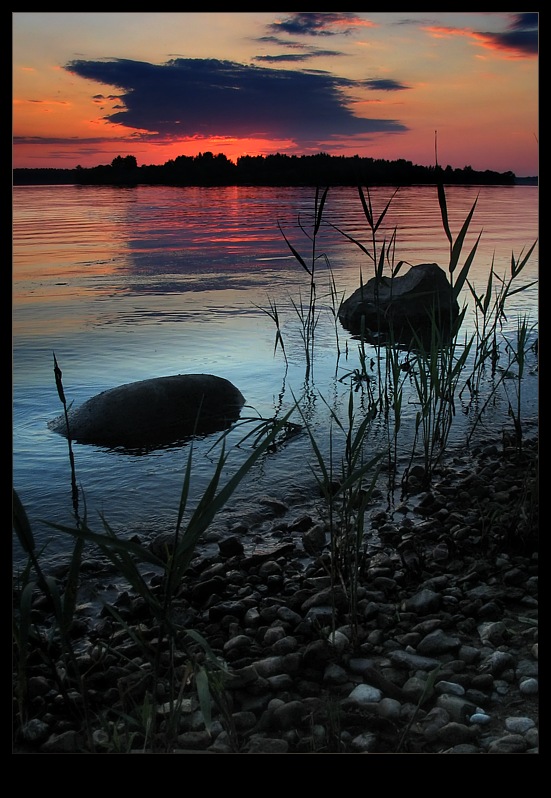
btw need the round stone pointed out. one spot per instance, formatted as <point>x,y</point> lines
<point>529,687</point>
<point>479,719</point>
<point>519,725</point>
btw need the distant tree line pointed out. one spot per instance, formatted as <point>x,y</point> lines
<point>207,169</point>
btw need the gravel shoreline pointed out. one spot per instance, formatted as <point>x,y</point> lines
<point>443,658</point>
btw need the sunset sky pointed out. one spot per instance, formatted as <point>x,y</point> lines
<point>88,86</point>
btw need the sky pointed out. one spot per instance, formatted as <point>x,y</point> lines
<point>457,87</point>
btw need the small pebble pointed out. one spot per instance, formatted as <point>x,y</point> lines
<point>529,687</point>
<point>480,719</point>
<point>519,725</point>
<point>451,688</point>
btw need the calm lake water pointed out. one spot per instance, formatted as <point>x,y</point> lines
<point>124,284</point>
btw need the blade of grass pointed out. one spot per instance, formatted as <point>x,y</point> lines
<point>460,281</point>
<point>296,254</point>
<point>444,212</point>
<point>458,244</point>
<point>319,210</point>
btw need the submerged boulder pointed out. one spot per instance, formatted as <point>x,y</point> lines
<point>398,306</point>
<point>154,412</point>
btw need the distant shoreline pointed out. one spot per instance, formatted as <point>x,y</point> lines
<point>207,169</point>
<point>31,181</point>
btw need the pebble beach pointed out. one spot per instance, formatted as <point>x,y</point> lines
<point>442,657</point>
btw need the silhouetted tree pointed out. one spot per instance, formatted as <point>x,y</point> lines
<point>129,162</point>
<point>207,169</point>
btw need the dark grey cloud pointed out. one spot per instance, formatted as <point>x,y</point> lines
<point>91,140</point>
<point>285,57</point>
<point>303,51</point>
<point>207,97</point>
<point>318,23</point>
<point>67,149</point>
<point>295,45</point>
<point>521,35</point>
<point>385,84</point>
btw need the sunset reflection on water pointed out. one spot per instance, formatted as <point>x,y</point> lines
<point>128,284</point>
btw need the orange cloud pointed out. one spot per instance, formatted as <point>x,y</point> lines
<point>512,44</point>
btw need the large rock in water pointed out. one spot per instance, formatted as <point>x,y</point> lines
<point>154,412</point>
<point>401,305</point>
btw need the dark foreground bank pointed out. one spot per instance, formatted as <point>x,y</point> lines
<point>443,657</point>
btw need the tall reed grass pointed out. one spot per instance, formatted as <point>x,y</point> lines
<point>431,375</point>
<point>347,484</point>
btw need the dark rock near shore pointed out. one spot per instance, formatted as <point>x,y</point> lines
<point>154,412</point>
<point>402,306</point>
